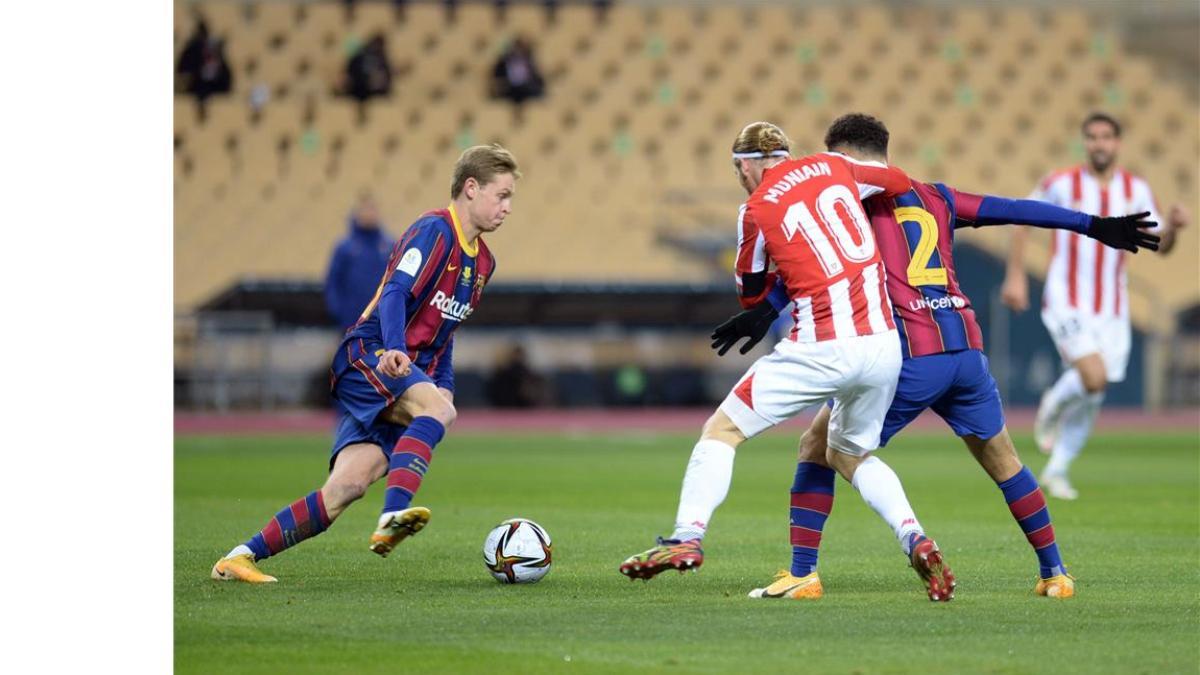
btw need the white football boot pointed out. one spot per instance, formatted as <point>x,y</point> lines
<point>1058,486</point>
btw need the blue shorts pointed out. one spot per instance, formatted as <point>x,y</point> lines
<point>362,393</point>
<point>957,385</point>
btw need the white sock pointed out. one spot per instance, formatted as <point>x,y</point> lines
<point>881,490</point>
<point>1065,391</point>
<point>705,485</point>
<point>240,549</point>
<point>1074,429</point>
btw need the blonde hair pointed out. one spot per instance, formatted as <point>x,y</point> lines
<point>762,139</point>
<point>483,163</point>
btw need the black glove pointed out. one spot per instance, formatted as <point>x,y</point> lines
<point>752,323</point>
<point>1127,232</point>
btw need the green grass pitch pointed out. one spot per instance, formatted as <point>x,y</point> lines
<point>1132,540</point>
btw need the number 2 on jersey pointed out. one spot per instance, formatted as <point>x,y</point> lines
<point>919,271</point>
<point>800,219</point>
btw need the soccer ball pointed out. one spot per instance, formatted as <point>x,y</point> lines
<point>517,551</point>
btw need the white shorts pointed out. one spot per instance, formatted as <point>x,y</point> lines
<point>858,373</point>
<point>1077,334</point>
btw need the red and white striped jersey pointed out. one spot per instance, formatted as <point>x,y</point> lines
<point>806,216</point>
<point>1084,274</point>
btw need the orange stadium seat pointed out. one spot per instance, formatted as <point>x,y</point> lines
<point>276,18</point>
<point>225,19</point>
<point>525,19</point>
<point>372,17</point>
<point>183,18</point>
<point>635,128</point>
<point>421,20</point>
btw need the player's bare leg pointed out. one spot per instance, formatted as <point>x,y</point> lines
<point>427,413</point>
<point>1093,372</point>
<point>1087,375</point>
<point>813,447</point>
<point>1071,404</point>
<point>421,400</point>
<point>356,467</point>
<point>881,490</point>
<point>998,457</point>
<point>705,485</point>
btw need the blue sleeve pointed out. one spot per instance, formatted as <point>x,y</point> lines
<point>411,258</point>
<point>443,374</point>
<point>981,210</point>
<point>333,284</point>
<point>778,295</point>
<point>393,317</point>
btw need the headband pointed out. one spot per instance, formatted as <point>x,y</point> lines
<point>758,154</point>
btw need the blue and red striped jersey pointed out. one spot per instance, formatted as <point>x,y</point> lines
<point>915,233</point>
<point>433,282</point>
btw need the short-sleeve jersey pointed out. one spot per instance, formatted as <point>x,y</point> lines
<point>1085,275</point>
<point>806,217</point>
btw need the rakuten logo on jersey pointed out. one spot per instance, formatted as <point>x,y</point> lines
<point>450,308</point>
<point>945,302</point>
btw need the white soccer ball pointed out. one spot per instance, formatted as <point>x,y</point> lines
<point>517,551</point>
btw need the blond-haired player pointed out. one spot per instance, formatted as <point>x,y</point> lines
<point>392,374</point>
<point>805,216</point>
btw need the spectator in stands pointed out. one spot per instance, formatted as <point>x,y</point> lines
<point>516,76</point>
<point>190,56</point>
<point>367,73</point>
<point>202,67</point>
<point>357,265</point>
<point>514,384</point>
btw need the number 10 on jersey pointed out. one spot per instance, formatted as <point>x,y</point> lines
<point>835,206</point>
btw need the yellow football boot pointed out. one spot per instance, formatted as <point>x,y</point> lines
<point>396,526</point>
<point>240,568</point>
<point>807,587</point>
<point>1061,586</point>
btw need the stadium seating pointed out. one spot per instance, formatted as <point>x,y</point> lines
<point>633,133</point>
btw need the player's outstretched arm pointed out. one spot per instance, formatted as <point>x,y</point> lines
<point>1122,232</point>
<point>1125,232</point>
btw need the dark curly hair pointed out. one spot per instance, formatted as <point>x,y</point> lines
<point>1102,117</point>
<point>859,131</point>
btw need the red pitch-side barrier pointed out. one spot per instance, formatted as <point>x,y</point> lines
<point>663,420</point>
